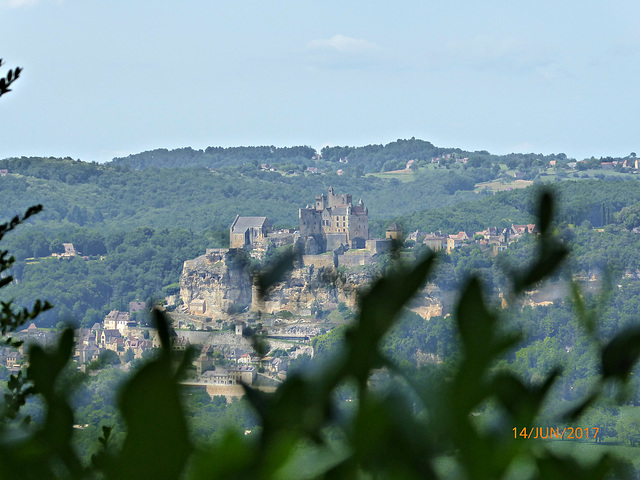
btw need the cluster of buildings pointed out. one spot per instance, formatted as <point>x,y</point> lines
<point>332,225</point>
<point>117,332</point>
<point>69,251</point>
<point>13,358</point>
<point>627,163</point>
<point>242,365</point>
<point>449,156</point>
<point>493,237</point>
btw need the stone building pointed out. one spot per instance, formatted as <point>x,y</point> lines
<point>246,231</point>
<point>335,221</point>
<point>435,241</point>
<point>117,320</point>
<point>394,232</point>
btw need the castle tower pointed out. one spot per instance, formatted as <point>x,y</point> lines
<point>337,220</point>
<point>394,232</point>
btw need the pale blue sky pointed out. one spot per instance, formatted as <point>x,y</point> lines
<point>107,78</point>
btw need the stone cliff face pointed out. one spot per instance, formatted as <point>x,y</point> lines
<point>308,289</point>
<point>227,288</point>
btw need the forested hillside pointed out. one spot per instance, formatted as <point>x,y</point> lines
<point>363,159</point>
<point>139,226</point>
<point>86,194</point>
<point>213,157</point>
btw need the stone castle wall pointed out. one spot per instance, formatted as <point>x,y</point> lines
<point>319,261</point>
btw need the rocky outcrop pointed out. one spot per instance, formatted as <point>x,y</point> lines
<point>426,307</point>
<point>217,285</point>
<point>309,289</point>
<point>224,285</point>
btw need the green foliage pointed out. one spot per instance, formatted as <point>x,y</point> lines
<point>11,320</point>
<point>48,449</point>
<point>12,76</point>
<point>136,266</point>
<point>405,431</point>
<point>628,429</point>
<point>157,444</point>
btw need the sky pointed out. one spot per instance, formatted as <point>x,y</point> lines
<point>111,78</point>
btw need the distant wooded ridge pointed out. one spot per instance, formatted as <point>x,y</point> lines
<point>372,158</point>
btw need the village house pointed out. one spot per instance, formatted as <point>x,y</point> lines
<point>197,306</point>
<point>13,360</point>
<point>415,235</point>
<point>244,359</point>
<point>69,250</point>
<point>137,345</point>
<point>278,364</point>
<point>234,355</point>
<point>521,229</point>
<point>219,376</point>
<point>116,320</point>
<point>455,241</point>
<point>204,362</point>
<point>86,353</point>
<point>230,376</point>
<point>435,242</point>
<point>106,339</point>
<point>35,336</point>
<point>245,374</point>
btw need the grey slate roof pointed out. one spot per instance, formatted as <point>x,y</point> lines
<point>393,227</point>
<point>340,210</point>
<point>242,223</point>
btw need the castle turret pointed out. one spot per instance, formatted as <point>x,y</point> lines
<point>394,232</point>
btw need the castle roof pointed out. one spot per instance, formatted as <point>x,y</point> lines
<point>241,224</point>
<point>340,210</point>
<point>393,228</point>
<point>359,210</point>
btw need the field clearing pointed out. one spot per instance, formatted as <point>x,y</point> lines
<point>402,175</point>
<point>497,186</point>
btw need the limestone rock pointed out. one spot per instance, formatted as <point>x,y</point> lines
<point>217,286</point>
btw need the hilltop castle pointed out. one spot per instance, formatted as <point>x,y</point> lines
<point>335,221</point>
<point>333,224</point>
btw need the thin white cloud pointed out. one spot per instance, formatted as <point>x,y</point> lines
<point>342,43</point>
<point>17,3</point>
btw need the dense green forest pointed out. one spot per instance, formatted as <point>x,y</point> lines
<point>82,194</point>
<point>364,159</point>
<point>138,226</point>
